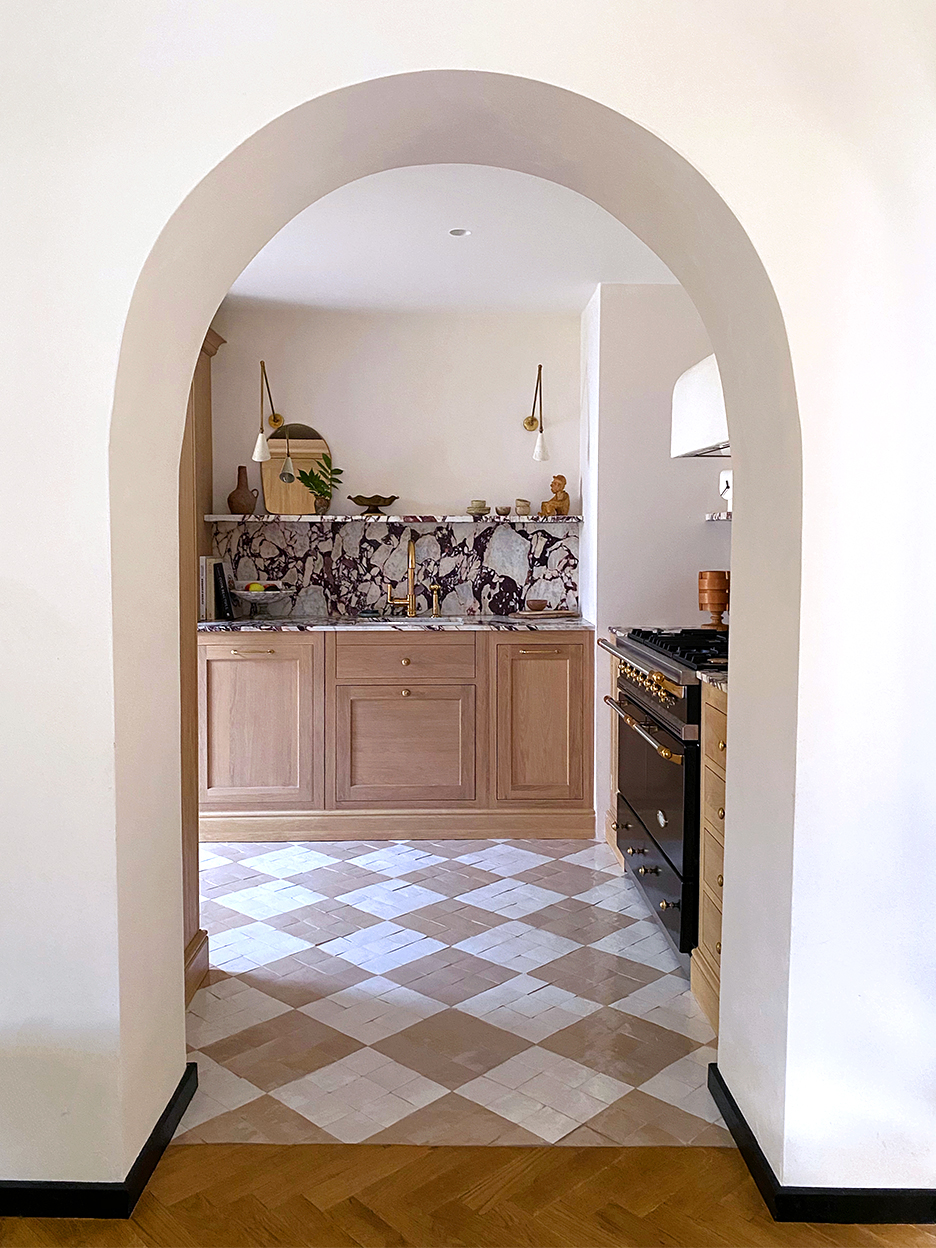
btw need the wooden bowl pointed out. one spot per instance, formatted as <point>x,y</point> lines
<point>536,604</point>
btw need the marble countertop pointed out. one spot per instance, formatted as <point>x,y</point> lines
<point>443,623</point>
<point>718,679</point>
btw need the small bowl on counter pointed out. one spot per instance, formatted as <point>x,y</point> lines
<point>260,600</point>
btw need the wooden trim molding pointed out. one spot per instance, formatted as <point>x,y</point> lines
<point>196,963</point>
<point>383,825</point>
<point>903,1205</point>
<point>101,1200</point>
<point>213,340</point>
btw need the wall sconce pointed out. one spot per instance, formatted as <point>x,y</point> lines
<point>261,452</point>
<point>532,422</point>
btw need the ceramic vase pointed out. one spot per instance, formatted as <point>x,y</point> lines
<point>321,504</point>
<point>242,500</point>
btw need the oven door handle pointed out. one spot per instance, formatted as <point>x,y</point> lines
<point>664,751</point>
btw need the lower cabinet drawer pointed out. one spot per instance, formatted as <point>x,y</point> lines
<point>714,734</point>
<point>713,862</point>
<point>420,656</point>
<point>673,904</point>
<point>710,919</point>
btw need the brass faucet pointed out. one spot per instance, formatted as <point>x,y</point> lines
<point>410,600</point>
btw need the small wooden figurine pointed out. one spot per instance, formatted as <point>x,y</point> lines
<point>558,505</point>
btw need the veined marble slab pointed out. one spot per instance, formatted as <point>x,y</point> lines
<point>265,518</point>
<point>451,623</point>
<point>342,567</point>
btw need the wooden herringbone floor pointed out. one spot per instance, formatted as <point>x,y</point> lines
<point>228,1195</point>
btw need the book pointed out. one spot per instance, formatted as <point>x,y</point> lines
<point>206,587</point>
<point>224,603</point>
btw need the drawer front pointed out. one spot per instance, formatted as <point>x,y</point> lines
<point>714,735</point>
<point>710,929</point>
<point>713,862</point>
<point>648,865</point>
<point>713,799</point>
<point>421,656</point>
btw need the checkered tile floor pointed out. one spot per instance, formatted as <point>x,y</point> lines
<point>454,992</point>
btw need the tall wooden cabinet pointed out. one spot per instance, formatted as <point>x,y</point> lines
<point>195,471</point>
<point>396,733</point>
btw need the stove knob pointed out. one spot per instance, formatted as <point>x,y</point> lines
<point>669,905</point>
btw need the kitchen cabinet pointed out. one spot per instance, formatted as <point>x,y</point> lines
<point>540,732</point>
<point>378,734</point>
<point>404,744</point>
<point>261,722</point>
<point>706,959</point>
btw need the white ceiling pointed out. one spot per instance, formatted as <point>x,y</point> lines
<point>383,243</point>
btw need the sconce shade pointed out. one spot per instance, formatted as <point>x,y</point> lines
<point>261,452</point>
<point>539,451</point>
<point>287,472</point>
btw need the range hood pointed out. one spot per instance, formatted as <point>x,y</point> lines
<point>700,423</point>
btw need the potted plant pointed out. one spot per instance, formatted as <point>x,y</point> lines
<point>322,484</point>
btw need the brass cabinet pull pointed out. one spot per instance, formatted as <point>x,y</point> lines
<point>669,905</point>
<point>721,812</point>
<point>541,650</point>
<point>405,662</point>
<point>723,745</point>
<point>720,881</point>
<point>404,693</point>
<point>648,870</point>
<point>615,827</point>
<point>718,947</point>
<point>635,849</point>
<point>240,652</point>
<point>663,751</point>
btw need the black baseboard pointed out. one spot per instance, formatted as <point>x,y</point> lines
<point>818,1204</point>
<point>101,1200</point>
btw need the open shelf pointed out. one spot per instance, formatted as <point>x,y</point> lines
<point>312,519</point>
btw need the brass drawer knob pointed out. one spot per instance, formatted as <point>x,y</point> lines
<point>404,693</point>
<point>648,870</point>
<point>615,827</point>
<point>723,745</point>
<point>405,662</point>
<point>635,849</point>
<point>720,879</point>
<point>669,905</point>
<point>721,812</point>
<point>718,946</point>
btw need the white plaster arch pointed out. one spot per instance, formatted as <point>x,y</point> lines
<point>463,116</point>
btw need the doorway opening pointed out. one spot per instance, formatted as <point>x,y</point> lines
<point>631,175</point>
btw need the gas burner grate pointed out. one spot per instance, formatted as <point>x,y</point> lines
<point>695,647</point>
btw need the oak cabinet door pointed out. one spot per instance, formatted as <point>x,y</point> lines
<point>401,745</point>
<point>262,719</point>
<point>540,726</point>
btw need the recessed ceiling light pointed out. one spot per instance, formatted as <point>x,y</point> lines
<point>459,233</point>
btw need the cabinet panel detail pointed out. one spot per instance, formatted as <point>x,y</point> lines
<point>261,728</point>
<point>540,730</point>
<point>399,744</point>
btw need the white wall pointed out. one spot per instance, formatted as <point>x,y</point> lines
<point>644,511</point>
<point>426,405</point>
<point>150,150</point>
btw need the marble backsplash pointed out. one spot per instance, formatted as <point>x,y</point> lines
<point>340,566</point>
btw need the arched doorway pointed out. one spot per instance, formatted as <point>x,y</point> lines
<point>467,117</point>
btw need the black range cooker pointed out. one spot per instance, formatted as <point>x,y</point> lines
<point>658,704</point>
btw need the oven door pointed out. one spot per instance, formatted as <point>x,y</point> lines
<point>658,775</point>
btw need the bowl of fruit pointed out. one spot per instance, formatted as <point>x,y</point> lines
<point>260,595</point>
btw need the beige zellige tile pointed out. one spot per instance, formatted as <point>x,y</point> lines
<point>508,992</point>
